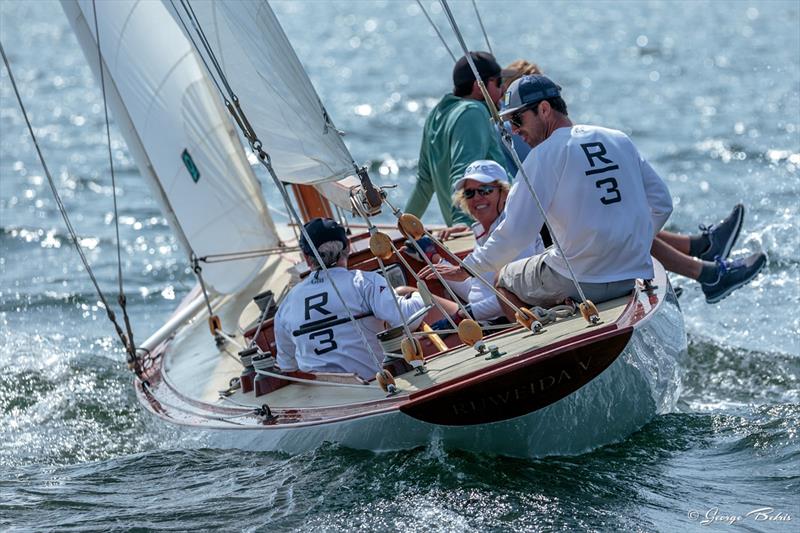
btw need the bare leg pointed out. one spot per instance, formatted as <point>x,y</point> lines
<point>434,315</point>
<point>675,261</point>
<point>508,311</point>
<point>675,240</point>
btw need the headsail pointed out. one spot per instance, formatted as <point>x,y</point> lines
<point>273,88</point>
<point>179,133</point>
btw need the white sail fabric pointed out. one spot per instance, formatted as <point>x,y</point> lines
<point>273,89</point>
<point>179,133</point>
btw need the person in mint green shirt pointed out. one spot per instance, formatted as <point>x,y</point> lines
<point>457,132</point>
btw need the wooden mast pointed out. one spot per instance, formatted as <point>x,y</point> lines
<point>311,203</point>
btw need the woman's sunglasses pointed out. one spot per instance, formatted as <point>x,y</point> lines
<point>486,190</point>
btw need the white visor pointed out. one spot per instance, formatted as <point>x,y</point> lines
<point>485,171</point>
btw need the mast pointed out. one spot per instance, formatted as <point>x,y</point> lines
<point>311,203</point>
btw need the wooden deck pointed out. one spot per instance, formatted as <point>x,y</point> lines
<point>441,368</point>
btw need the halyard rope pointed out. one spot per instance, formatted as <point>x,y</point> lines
<point>122,299</point>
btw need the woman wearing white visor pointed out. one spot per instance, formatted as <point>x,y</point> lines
<point>482,193</point>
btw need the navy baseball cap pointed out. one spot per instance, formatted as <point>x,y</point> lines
<point>526,91</point>
<point>322,230</point>
<point>487,66</point>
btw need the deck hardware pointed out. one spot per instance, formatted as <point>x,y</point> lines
<point>470,332</point>
<point>529,319</point>
<point>266,413</point>
<point>386,381</point>
<point>380,245</point>
<point>481,348</point>
<point>413,354</point>
<point>410,226</point>
<point>589,312</point>
<point>494,353</point>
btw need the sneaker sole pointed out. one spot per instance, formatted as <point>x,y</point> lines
<point>726,250</point>
<point>732,288</point>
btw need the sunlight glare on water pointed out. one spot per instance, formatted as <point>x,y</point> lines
<point>709,93</point>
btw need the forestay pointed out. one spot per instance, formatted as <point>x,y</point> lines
<point>179,133</point>
<point>274,90</point>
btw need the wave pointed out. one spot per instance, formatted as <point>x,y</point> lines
<point>719,376</point>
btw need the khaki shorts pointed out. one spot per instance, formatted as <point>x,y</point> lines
<point>535,283</point>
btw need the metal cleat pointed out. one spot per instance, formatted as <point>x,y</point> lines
<point>494,353</point>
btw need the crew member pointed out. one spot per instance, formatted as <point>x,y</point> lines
<point>312,330</point>
<point>457,132</point>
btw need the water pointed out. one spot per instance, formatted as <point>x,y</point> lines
<point>709,93</point>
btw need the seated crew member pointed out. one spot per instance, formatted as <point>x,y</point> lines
<point>482,193</point>
<point>701,257</point>
<point>303,340</point>
<point>604,202</point>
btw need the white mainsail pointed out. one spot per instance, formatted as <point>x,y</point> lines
<point>179,133</point>
<point>273,89</point>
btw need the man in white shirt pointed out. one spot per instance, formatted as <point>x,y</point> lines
<point>603,200</point>
<point>313,332</point>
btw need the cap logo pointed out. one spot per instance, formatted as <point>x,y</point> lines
<point>507,98</point>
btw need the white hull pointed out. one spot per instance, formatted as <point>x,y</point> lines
<point>641,383</point>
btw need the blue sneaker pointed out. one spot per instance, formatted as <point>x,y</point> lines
<point>722,236</point>
<point>732,275</point>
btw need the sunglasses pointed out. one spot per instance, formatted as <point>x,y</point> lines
<point>516,118</point>
<point>486,190</point>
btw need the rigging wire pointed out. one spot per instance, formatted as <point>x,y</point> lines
<point>436,29</point>
<point>248,254</point>
<point>202,57</point>
<point>506,136</point>
<point>122,299</point>
<point>70,228</point>
<point>483,29</point>
<point>266,160</point>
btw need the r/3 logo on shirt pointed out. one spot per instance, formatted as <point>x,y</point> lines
<point>608,184</point>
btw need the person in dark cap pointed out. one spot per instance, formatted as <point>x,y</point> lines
<point>699,256</point>
<point>312,329</point>
<point>456,133</point>
<point>604,201</point>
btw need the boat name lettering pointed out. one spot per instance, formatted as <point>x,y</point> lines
<point>520,393</point>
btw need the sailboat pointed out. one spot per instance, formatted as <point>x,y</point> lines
<point>562,389</point>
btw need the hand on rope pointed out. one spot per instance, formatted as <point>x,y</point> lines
<point>445,270</point>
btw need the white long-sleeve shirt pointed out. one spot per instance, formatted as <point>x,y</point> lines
<point>304,340</point>
<point>604,202</point>
<point>482,300</point>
